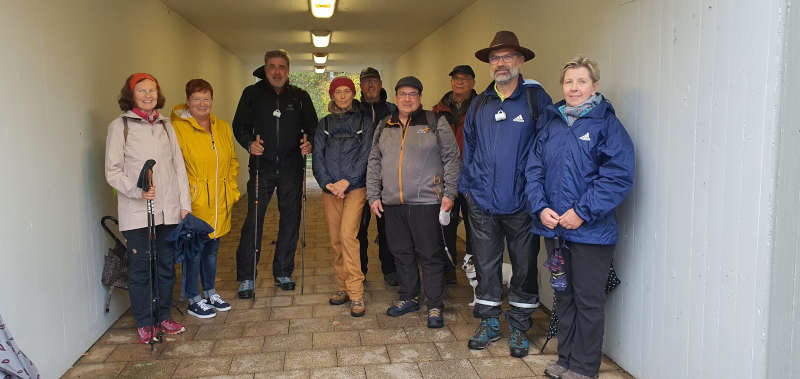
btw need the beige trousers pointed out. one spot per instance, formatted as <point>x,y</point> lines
<point>344,219</point>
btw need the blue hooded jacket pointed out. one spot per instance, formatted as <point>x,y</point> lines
<point>588,167</point>
<point>495,152</point>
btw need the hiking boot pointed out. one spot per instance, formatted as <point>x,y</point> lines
<point>172,327</point>
<point>246,289</point>
<point>146,334</point>
<point>391,279</point>
<point>357,308</point>
<point>518,343</point>
<point>201,309</point>
<point>450,277</point>
<point>216,301</point>
<point>435,318</point>
<point>555,371</point>
<point>574,375</point>
<point>402,307</point>
<point>285,282</point>
<point>488,332</point>
<point>339,298</point>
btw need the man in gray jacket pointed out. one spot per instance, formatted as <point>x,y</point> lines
<point>411,177</point>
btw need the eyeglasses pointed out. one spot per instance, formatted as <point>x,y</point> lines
<point>198,101</point>
<point>461,80</point>
<point>409,95</point>
<point>506,58</point>
<point>345,91</point>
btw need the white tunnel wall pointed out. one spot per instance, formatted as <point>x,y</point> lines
<point>697,85</point>
<point>784,316</point>
<point>62,69</point>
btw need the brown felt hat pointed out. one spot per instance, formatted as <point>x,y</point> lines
<point>504,40</point>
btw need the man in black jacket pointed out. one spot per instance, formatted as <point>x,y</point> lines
<point>375,106</point>
<point>273,122</point>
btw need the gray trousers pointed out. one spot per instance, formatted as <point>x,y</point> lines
<point>581,307</point>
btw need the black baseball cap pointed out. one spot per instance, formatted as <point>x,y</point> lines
<point>409,81</point>
<point>464,69</point>
<point>369,72</point>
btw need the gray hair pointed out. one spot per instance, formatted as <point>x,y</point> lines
<point>581,61</point>
<point>280,53</point>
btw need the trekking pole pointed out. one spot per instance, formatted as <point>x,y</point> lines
<point>446,249</point>
<point>145,183</point>
<point>303,242</point>
<point>255,221</point>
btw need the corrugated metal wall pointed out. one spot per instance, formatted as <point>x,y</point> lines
<point>697,84</point>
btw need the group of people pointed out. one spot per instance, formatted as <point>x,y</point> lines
<point>507,161</point>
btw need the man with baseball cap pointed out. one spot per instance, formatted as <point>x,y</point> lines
<point>453,106</point>
<point>412,175</point>
<point>499,129</point>
<point>374,106</point>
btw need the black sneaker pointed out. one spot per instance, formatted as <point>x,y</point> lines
<point>402,307</point>
<point>435,318</point>
<point>201,309</point>
<point>216,301</point>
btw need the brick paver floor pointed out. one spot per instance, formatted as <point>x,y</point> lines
<point>283,334</point>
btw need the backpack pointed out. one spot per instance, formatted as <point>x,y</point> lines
<point>532,98</point>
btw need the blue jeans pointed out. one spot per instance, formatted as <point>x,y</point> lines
<point>204,265</point>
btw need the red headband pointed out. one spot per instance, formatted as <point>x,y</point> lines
<point>138,77</point>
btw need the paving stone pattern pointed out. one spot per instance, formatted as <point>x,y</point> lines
<point>283,334</point>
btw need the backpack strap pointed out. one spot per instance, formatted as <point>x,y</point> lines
<point>431,119</point>
<point>125,128</point>
<point>533,103</point>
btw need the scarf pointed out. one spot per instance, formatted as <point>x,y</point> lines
<point>571,114</point>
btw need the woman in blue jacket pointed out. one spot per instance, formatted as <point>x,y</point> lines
<point>579,170</point>
<point>341,148</point>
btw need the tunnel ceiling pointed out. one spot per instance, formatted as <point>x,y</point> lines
<point>365,32</point>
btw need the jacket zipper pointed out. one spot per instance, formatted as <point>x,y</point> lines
<point>216,184</point>
<point>403,130</point>
<point>277,136</point>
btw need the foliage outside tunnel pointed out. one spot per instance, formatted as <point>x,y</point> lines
<point>317,87</point>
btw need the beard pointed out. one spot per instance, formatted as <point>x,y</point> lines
<point>504,78</point>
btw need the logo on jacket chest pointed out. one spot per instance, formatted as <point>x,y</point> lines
<point>585,137</point>
<point>424,130</point>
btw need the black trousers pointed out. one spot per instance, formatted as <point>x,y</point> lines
<point>581,307</point>
<point>140,274</point>
<point>386,258</point>
<point>490,232</point>
<point>414,236</point>
<point>289,188</point>
<point>451,230</point>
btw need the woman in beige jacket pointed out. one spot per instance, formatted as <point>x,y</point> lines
<point>139,134</point>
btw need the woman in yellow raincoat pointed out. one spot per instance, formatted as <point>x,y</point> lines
<point>212,168</point>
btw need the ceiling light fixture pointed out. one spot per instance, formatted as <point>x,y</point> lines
<point>322,8</point>
<point>320,58</point>
<point>319,69</point>
<point>321,38</point>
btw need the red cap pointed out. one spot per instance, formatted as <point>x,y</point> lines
<point>340,81</point>
<point>138,77</point>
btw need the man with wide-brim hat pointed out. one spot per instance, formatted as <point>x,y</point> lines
<point>498,133</point>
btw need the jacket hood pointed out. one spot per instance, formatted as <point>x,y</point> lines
<point>333,109</point>
<point>259,73</point>
<point>180,112</point>
<point>601,110</point>
<point>382,96</point>
<point>446,100</point>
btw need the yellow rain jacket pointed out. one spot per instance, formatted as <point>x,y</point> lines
<point>211,166</point>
